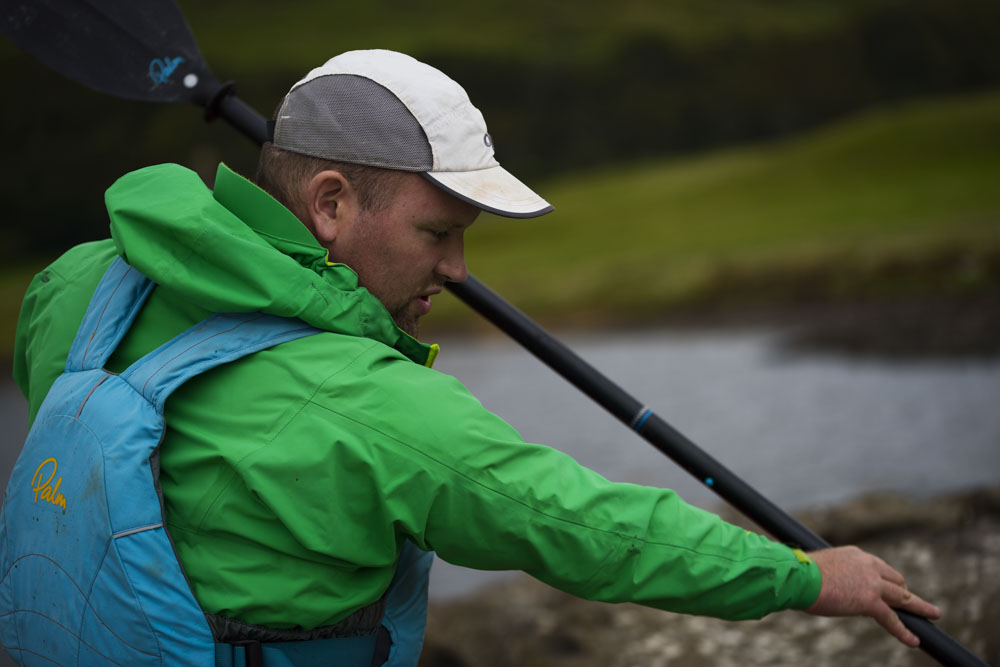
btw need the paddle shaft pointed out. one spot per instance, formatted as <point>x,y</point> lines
<point>241,116</point>
<point>934,641</point>
<point>502,314</point>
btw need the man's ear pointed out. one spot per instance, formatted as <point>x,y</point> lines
<point>331,205</point>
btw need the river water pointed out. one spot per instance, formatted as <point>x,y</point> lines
<point>804,430</point>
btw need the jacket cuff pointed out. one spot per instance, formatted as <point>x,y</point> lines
<point>813,581</point>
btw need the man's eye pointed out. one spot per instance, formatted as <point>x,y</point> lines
<point>439,233</point>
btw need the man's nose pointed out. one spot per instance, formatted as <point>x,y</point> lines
<point>452,265</point>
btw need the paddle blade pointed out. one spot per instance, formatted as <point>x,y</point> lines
<point>137,49</point>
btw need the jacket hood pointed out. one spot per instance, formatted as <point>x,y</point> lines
<point>237,249</point>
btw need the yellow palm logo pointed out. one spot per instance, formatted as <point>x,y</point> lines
<point>45,489</point>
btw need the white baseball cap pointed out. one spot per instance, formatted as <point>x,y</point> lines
<point>385,109</point>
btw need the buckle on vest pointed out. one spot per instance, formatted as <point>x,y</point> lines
<point>253,652</point>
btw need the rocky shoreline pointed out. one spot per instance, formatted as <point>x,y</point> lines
<point>917,327</point>
<point>948,547</point>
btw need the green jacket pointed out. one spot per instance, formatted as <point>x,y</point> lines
<point>292,478</point>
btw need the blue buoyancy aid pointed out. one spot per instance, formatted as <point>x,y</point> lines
<point>89,574</point>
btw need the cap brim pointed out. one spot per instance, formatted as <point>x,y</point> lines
<point>494,190</point>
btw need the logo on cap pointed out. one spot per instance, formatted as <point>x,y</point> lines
<point>488,140</point>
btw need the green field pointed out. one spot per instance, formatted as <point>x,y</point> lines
<point>894,201</point>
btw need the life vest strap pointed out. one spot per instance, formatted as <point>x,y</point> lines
<point>347,651</point>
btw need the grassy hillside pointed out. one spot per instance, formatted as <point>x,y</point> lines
<point>899,201</point>
<point>896,201</point>
<point>563,88</point>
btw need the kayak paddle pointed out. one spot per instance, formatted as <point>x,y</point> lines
<point>146,51</point>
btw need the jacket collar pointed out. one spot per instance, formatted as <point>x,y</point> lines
<point>217,250</point>
<point>265,215</point>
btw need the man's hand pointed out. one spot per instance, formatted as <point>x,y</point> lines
<point>856,583</point>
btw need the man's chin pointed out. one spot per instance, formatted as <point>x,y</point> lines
<point>409,324</point>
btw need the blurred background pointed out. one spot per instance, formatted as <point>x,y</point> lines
<point>708,155</point>
<point>776,222</point>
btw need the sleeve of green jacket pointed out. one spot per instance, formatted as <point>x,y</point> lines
<point>462,482</point>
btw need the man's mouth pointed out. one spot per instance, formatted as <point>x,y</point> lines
<point>424,301</point>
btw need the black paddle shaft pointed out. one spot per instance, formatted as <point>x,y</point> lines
<point>238,114</point>
<point>145,50</point>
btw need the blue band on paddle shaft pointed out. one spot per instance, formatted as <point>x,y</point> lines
<point>640,418</point>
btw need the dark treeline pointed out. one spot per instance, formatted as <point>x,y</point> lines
<point>647,96</point>
<point>652,97</point>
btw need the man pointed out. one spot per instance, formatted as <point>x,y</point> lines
<point>294,479</point>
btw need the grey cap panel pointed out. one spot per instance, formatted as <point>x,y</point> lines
<point>352,119</point>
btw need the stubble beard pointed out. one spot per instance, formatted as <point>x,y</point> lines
<point>404,315</point>
<point>407,322</point>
